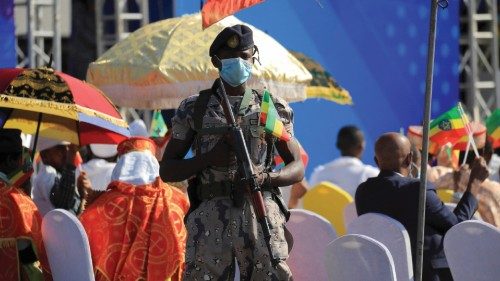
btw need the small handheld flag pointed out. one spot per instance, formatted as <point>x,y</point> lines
<point>448,127</point>
<point>20,176</point>
<point>270,119</point>
<point>493,128</point>
<point>158,126</point>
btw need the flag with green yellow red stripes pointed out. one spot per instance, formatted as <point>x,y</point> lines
<point>493,128</point>
<point>270,119</point>
<point>449,126</point>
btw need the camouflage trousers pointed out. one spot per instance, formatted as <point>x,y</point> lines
<point>218,233</point>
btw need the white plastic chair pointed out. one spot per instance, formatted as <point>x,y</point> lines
<point>356,257</point>
<point>392,234</point>
<point>472,250</point>
<point>67,247</point>
<point>311,234</point>
<point>350,214</point>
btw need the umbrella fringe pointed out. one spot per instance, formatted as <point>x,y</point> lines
<point>59,109</point>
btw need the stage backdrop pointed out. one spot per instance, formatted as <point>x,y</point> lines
<point>375,49</point>
<point>7,36</point>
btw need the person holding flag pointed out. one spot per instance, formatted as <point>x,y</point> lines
<point>59,183</point>
<point>395,194</point>
<point>222,224</point>
<point>488,192</point>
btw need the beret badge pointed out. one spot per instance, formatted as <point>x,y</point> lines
<point>233,41</point>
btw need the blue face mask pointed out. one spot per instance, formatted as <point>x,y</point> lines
<point>235,71</point>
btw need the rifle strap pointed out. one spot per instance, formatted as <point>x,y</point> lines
<point>200,107</point>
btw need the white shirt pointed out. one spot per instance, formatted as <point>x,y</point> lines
<point>99,173</point>
<point>493,166</point>
<point>346,172</point>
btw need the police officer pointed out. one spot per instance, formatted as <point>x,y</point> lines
<point>224,226</point>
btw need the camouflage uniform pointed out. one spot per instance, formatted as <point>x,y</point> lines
<point>217,230</point>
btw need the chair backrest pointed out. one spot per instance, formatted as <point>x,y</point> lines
<point>472,250</point>
<point>446,195</point>
<point>329,201</point>
<point>350,213</point>
<point>392,234</point>
<point>67,247</point>
<point>356,257</point>
<point>311,234</point>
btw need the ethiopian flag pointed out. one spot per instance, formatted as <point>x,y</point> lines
<point>449,127</point>
<point>493,127</point>
<point>270,119</point>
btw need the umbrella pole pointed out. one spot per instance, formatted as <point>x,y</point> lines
<point>36,136</point>
<point>431,46</point>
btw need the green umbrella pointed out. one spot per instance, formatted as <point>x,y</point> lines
<point>323,85</point>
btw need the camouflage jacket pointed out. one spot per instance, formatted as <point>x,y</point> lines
<point>255,137</point>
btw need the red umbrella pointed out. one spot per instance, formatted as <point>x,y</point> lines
<point>55,105</point>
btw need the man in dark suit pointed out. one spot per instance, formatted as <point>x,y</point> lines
<point>394,194</point>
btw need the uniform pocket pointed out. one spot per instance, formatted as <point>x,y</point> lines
<point>277,225</point>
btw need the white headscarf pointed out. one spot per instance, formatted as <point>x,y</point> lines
<point>136,167</point>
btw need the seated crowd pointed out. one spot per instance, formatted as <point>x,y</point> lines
<point>124,205</point>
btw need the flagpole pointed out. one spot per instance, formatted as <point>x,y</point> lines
<point>431,48</point>
<point>466,152</point>
<point>468,129</point>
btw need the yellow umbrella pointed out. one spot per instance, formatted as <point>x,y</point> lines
<point>162,63</point>
<point>323,85</point>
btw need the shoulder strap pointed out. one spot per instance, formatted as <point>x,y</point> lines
<point>200,106</point>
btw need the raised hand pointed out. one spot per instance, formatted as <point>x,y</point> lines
<point>83,184</point>
<point>479,170</point>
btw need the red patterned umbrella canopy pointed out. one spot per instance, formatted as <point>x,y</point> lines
<point>55,105</point>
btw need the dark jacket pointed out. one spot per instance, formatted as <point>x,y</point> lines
<point>396,196</point>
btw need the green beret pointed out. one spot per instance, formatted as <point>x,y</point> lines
<point>238,37</point>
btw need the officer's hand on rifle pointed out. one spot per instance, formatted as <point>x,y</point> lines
<point>263,179</point>
<point>221,155</point>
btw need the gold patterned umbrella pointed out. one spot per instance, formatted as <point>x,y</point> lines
<point>162,63</point>
<point>323,85</point>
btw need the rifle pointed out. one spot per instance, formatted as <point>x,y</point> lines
<point>248,172</point>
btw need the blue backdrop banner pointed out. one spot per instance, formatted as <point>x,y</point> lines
<point>7,35</point>
<point>375,49</point>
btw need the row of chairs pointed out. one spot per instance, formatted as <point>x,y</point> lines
<point>378,234</point>
<point>337,206</point>
<point>377,247</point>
